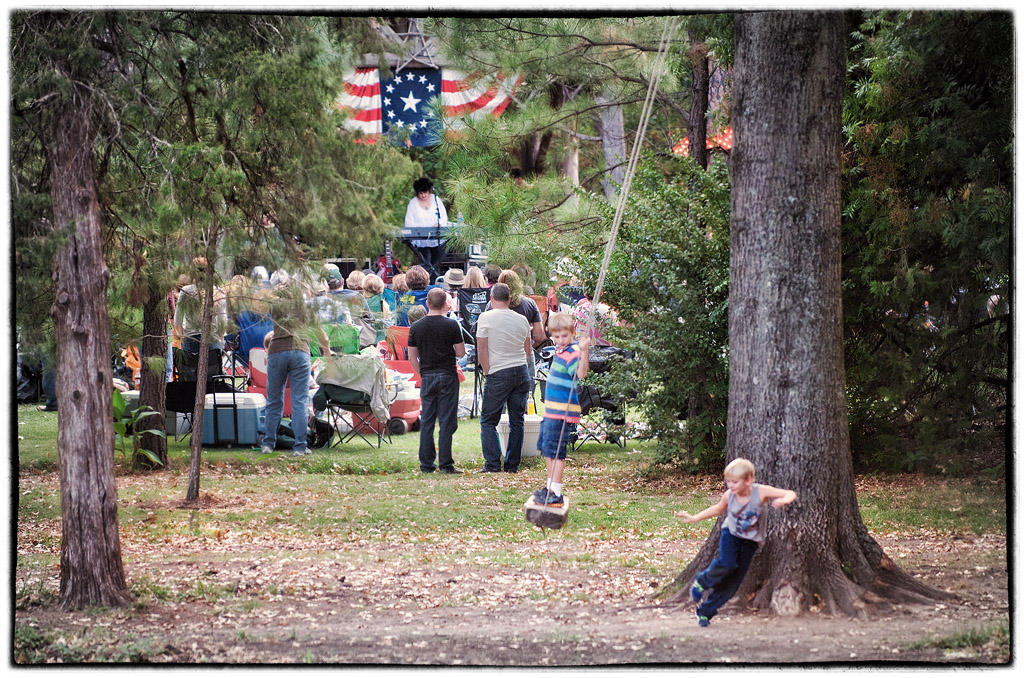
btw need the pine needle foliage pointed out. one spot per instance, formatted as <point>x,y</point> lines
<point>668,282</point>
<point>927,230</point>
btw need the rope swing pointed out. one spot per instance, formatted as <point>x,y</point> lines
<point>540,514</point>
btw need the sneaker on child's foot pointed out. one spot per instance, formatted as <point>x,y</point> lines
<point>550,499</point>
<point>703,621</point>
<point>696,591</point>
<point>539,494</point>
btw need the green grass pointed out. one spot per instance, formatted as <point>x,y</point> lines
<point>970,640</point>
<point>970,506</point>
<point>360,492</point>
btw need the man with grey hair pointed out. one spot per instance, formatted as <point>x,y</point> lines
<point>503,344</point>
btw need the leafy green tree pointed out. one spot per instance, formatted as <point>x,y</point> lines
<point>928,187</point>
<point>166,136</point>
<point>584,81</point>
<point>668,282</point>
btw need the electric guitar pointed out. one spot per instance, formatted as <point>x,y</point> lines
<point>387,265</point>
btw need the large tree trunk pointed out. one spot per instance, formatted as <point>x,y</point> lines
<point>91,572</point>
<point>153,386</point>
<point>787,407</point>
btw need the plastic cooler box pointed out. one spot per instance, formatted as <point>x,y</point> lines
<point>531,432</point>
<point>251,409</point>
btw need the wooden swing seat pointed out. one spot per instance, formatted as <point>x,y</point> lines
<point>547,516</point>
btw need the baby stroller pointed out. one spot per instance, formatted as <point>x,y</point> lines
<point>601,428</point>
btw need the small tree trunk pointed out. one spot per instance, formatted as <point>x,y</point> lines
<point>91,571</point>
<point>697,123</point>
<point>571,166</point>
<point>533,153</point>
<point>203,369</point>
<point>612,130</point>
<point>202,372</point>
<point>153,386</point>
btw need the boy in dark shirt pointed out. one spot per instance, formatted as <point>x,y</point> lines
<point>435,342</point>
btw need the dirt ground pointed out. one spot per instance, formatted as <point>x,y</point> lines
<point>366,611</point>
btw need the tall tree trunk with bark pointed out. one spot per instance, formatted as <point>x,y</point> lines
<point>153,386</point>
<point>91,571</point>
<point>787,406</point>
<point>697,123</point>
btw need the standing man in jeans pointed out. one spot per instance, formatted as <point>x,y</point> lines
<point>503,343</point>
<point>288,363</point>
<point>435,342</point>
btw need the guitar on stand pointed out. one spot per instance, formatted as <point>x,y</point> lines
<point>387,265</point>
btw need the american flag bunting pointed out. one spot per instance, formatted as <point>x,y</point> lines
<point>402,106</point>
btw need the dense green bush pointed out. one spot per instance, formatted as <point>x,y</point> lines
<point>668,282</point>
<point>926,236</point>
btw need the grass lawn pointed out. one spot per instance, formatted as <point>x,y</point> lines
<point>281,536</point>
<point>363,492</point>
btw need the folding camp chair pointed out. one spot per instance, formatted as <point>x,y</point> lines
<point>606,422</point>
<point>356,398</point>
<point>349,413</point>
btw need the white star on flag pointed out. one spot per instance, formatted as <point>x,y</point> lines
<point>410,102</point>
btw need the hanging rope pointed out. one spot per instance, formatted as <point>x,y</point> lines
<point>667,34</point>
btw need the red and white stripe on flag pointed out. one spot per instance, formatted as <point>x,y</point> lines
<point>475,96</point>
<point>361,98</point>
<point>462,95</point>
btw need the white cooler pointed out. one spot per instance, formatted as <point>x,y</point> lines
<point>251,410</point>
<point>531,432</point>
<point>176,421</point>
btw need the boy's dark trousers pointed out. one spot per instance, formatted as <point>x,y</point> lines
<point>725,573</point>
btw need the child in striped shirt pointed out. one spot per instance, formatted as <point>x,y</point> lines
<point>561,403</point>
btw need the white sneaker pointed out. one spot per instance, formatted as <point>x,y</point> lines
<point>266,449</point>
<point>301,453</point>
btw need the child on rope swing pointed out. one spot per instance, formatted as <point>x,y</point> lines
<point>561,404</point>
<point>742,533</point>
